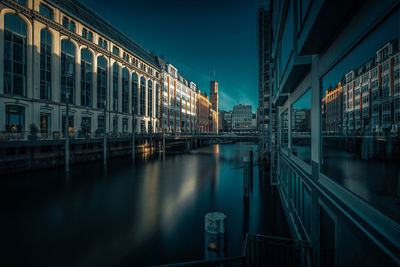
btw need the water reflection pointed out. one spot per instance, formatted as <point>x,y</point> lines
<point>149,212</point>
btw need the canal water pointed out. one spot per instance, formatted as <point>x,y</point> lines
<point>138,214</point>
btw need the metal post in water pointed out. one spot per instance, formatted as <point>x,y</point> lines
<point>105,134</point>
<point>215,236</point>
<point>246,178</point>
<point>67,135</point>
<point>251,162</point>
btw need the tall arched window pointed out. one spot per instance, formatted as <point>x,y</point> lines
<point>150,98</point>
<point>101,81</point>
<point>86,77</point>
<point>67,71</point>
<point>142,96</point>
<point>45,64</point>
<point>115,87</point>
<point>125,90</point>
<point>14,55</point>
<point>135,92</point>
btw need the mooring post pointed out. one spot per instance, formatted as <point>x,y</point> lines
<point>251,162</point>
<point>67,136</point>
<point>246,178</point>
<point>215,235</point>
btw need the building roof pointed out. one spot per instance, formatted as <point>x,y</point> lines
<point>77,10</point>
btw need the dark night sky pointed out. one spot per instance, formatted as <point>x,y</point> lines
<point>199,37</point>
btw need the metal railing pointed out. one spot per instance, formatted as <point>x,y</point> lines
<point>263,250</point>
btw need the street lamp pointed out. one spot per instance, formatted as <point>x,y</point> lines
<point>133,132</point>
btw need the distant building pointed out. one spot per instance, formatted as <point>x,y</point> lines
<point>228,121</point>
<point>264,33</point>
<point>242,117</point>
<point>214,99</point>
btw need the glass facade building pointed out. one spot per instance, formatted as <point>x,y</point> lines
<point>335,85</point>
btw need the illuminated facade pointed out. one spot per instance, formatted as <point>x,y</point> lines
<point>58,51</point>
<point>179,101</point>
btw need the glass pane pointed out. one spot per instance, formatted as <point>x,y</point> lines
<point>284,129</point>
<point>360,136</point>
<point>301,127</point>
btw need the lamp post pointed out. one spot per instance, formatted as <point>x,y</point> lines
<point>151,133</point>
<point>133,133</point>
<point>67,134</point>
<point>105,134</point>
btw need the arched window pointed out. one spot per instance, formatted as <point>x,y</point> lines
<point>135,92</point>
<point>14,55</point>
<point>142,96</point>
<point>86,79</point>
<point>150,98</point>
<point>45,64</point>
<point>125,90</point>
<point>115,87</point>
<point>101,81</point>
<point>67,71</point>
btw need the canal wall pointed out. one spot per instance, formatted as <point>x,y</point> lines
<point>20,156</point>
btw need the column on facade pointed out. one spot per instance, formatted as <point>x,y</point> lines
<point>119,89</point>
<point>130,125</point>
<point>55,78</point>
<point>110,86</point>
<point>94,90</point>
<point>78,74</point>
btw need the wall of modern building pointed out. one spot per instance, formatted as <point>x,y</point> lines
<point>335,83</point>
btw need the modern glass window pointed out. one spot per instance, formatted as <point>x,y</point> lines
<point>301,127</point>
<point>101,81</point>
<point>150,98</point>
<point>86,77</point>
<point>14,55</point>
<point>46,11</point>
<point>287,37</point>
<point>142,96</point>
<point>45,64</point>
<point>15,118</point>
<point>115,87</point>
<point>360,139</point>
<point>125,90</point>
<point>45,122</point>
<point>135,93</point>
<point>284,124</point>
<point>67,71</point>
